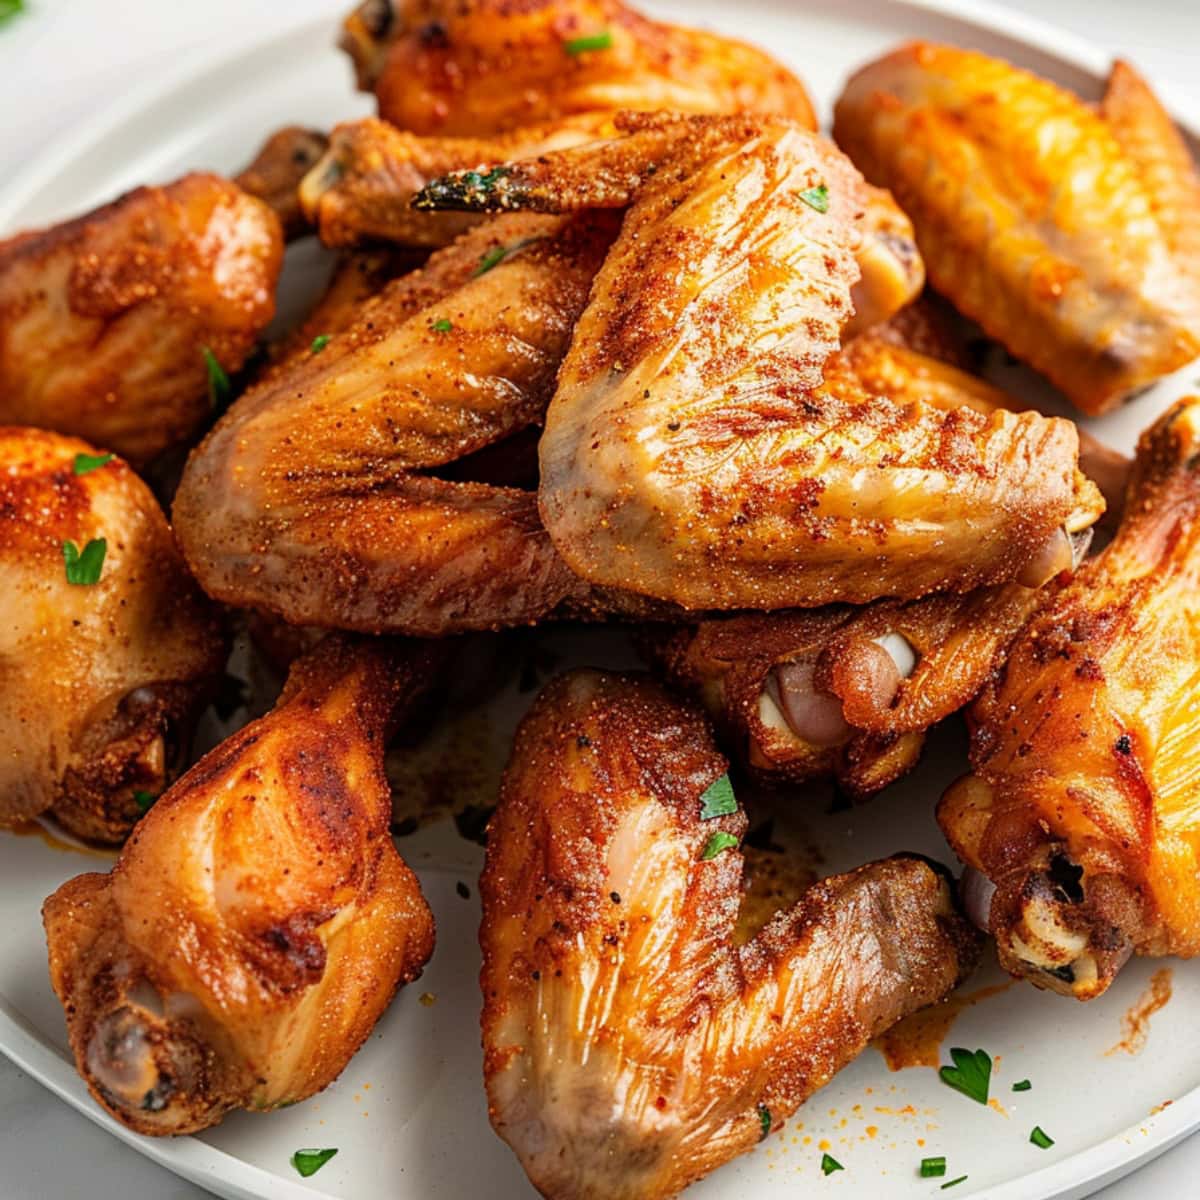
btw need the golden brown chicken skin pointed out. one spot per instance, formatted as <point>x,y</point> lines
<point>104,320</point>
<point>99,682</point>
<point>313,497</point>
<point>1080,817</point>
<point>1068,235</point>
<point>630,1047</point>
<point>274,176</point>
<point>488,66</point>
<point>695,451</point>
<point>259,920</point>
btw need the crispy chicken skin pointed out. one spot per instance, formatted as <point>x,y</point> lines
<point>1070,236</point>
<point>487,66</point>
<point>621,1024</point>
<point>1081,811</point>
<point>259,920</point>
<point>312,498</point>
<point>98,683</point>
<point>103,319</point>
<point>274,176</point>
<point>694,450</point>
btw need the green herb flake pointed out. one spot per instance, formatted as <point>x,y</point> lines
<point>442,326</point>
<point>219,389</point>
<point>320,342</point>
<point>829,1164</point>
<point>1040,1138</point>
<point>493,258</point>
<point>970,1074</point>
<point>84,566</point>
<point>954,1182</point>
<point>764,1121</point>
<point>1022,1085</point>
<point>309,1162</point>
<point>933,1168</point>
<point>717,844</point>
<point>591,41</point>
<point>144,800</point>
<point>483,181</point>
<point>10,9</point>
<point>90,462</point>
<point>816,197</point>
<point>718,800</point>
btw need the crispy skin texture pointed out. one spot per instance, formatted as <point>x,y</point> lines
<point>1082,809</point>
<point>696,453</point>
<point>629,1045</point>
<point>103,319</point>
<point>98,683</point>
<point>488,66</point>
<point>311,498</point>
<point>1065,236</point>
<point>259,920</point>
<point>274,176</point>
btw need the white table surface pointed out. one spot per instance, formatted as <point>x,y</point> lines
<point>65,58</point>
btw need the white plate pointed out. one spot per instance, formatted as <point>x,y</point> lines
<point>408,1115</point>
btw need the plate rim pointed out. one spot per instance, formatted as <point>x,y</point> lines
<point>205,1165</point>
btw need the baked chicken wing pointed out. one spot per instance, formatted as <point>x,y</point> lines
<point>1069,235</point>
<point>259,921</point>
<point>105,320</point>
<point>274,176</point>
<point>107,648</point>
<point>1081,815</point>
<point>488,66</point>
<point>630,1047</point>
<point>695,451</point>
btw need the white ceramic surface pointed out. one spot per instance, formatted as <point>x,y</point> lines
<point>408,1115</point>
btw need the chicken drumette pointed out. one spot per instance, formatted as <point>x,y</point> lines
<point>630,1047</point>
<point>259,921</point>
<point>107,649</point>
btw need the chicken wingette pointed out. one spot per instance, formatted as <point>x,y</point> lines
<point>630,1046</point>
<point>695,451</point>
<point>1081,821</point>
<point>1069,235</point>
<point>260,919</point>
<point>107,649</point>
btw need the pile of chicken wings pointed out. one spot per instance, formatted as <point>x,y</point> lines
<point>613,335</point>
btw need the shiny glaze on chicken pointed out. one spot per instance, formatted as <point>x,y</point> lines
<point>99,683</point>
<point>630,1047</point>
<point>104,319</point>
<point>1069,235</point>
<point>259,920</point>
<point>1081,814</point>
<point>695,452</point>
<point>476,67</point>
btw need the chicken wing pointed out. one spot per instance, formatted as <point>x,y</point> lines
<point>274,176</point>
<point>312,499</point>
<point>487,66</point>
<point>691,452</point>
<point>105,320</point>
<point>630,1047</point>
<point>1070,236</point>
<point>1081,816</point>
<point>107,649</point>
<point>259,921</point>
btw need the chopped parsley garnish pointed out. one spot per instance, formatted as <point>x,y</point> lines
<point>219,390</point>
<point>933,1168</point>
<point>442,326</point>
<point>483,181</point>
<point>1040,1138</point>
<point>717,800</point>
<point>320,342</point>
<point>970,1074</point>
<point>309,1162</point>
<point>816,197</point>
<point>764,1121</point>
<point>1022,1085</point>
<point>954,1182</point>
<point>717,844</point>
<point>90,462</point>
<point>10,9</point>
<point>591,41</point>
<point>144,800</point>
<point>829,1164</point>
<point>494,257</point>
<point>84,566</point>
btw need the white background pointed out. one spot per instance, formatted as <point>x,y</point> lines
<point>66,58</point>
